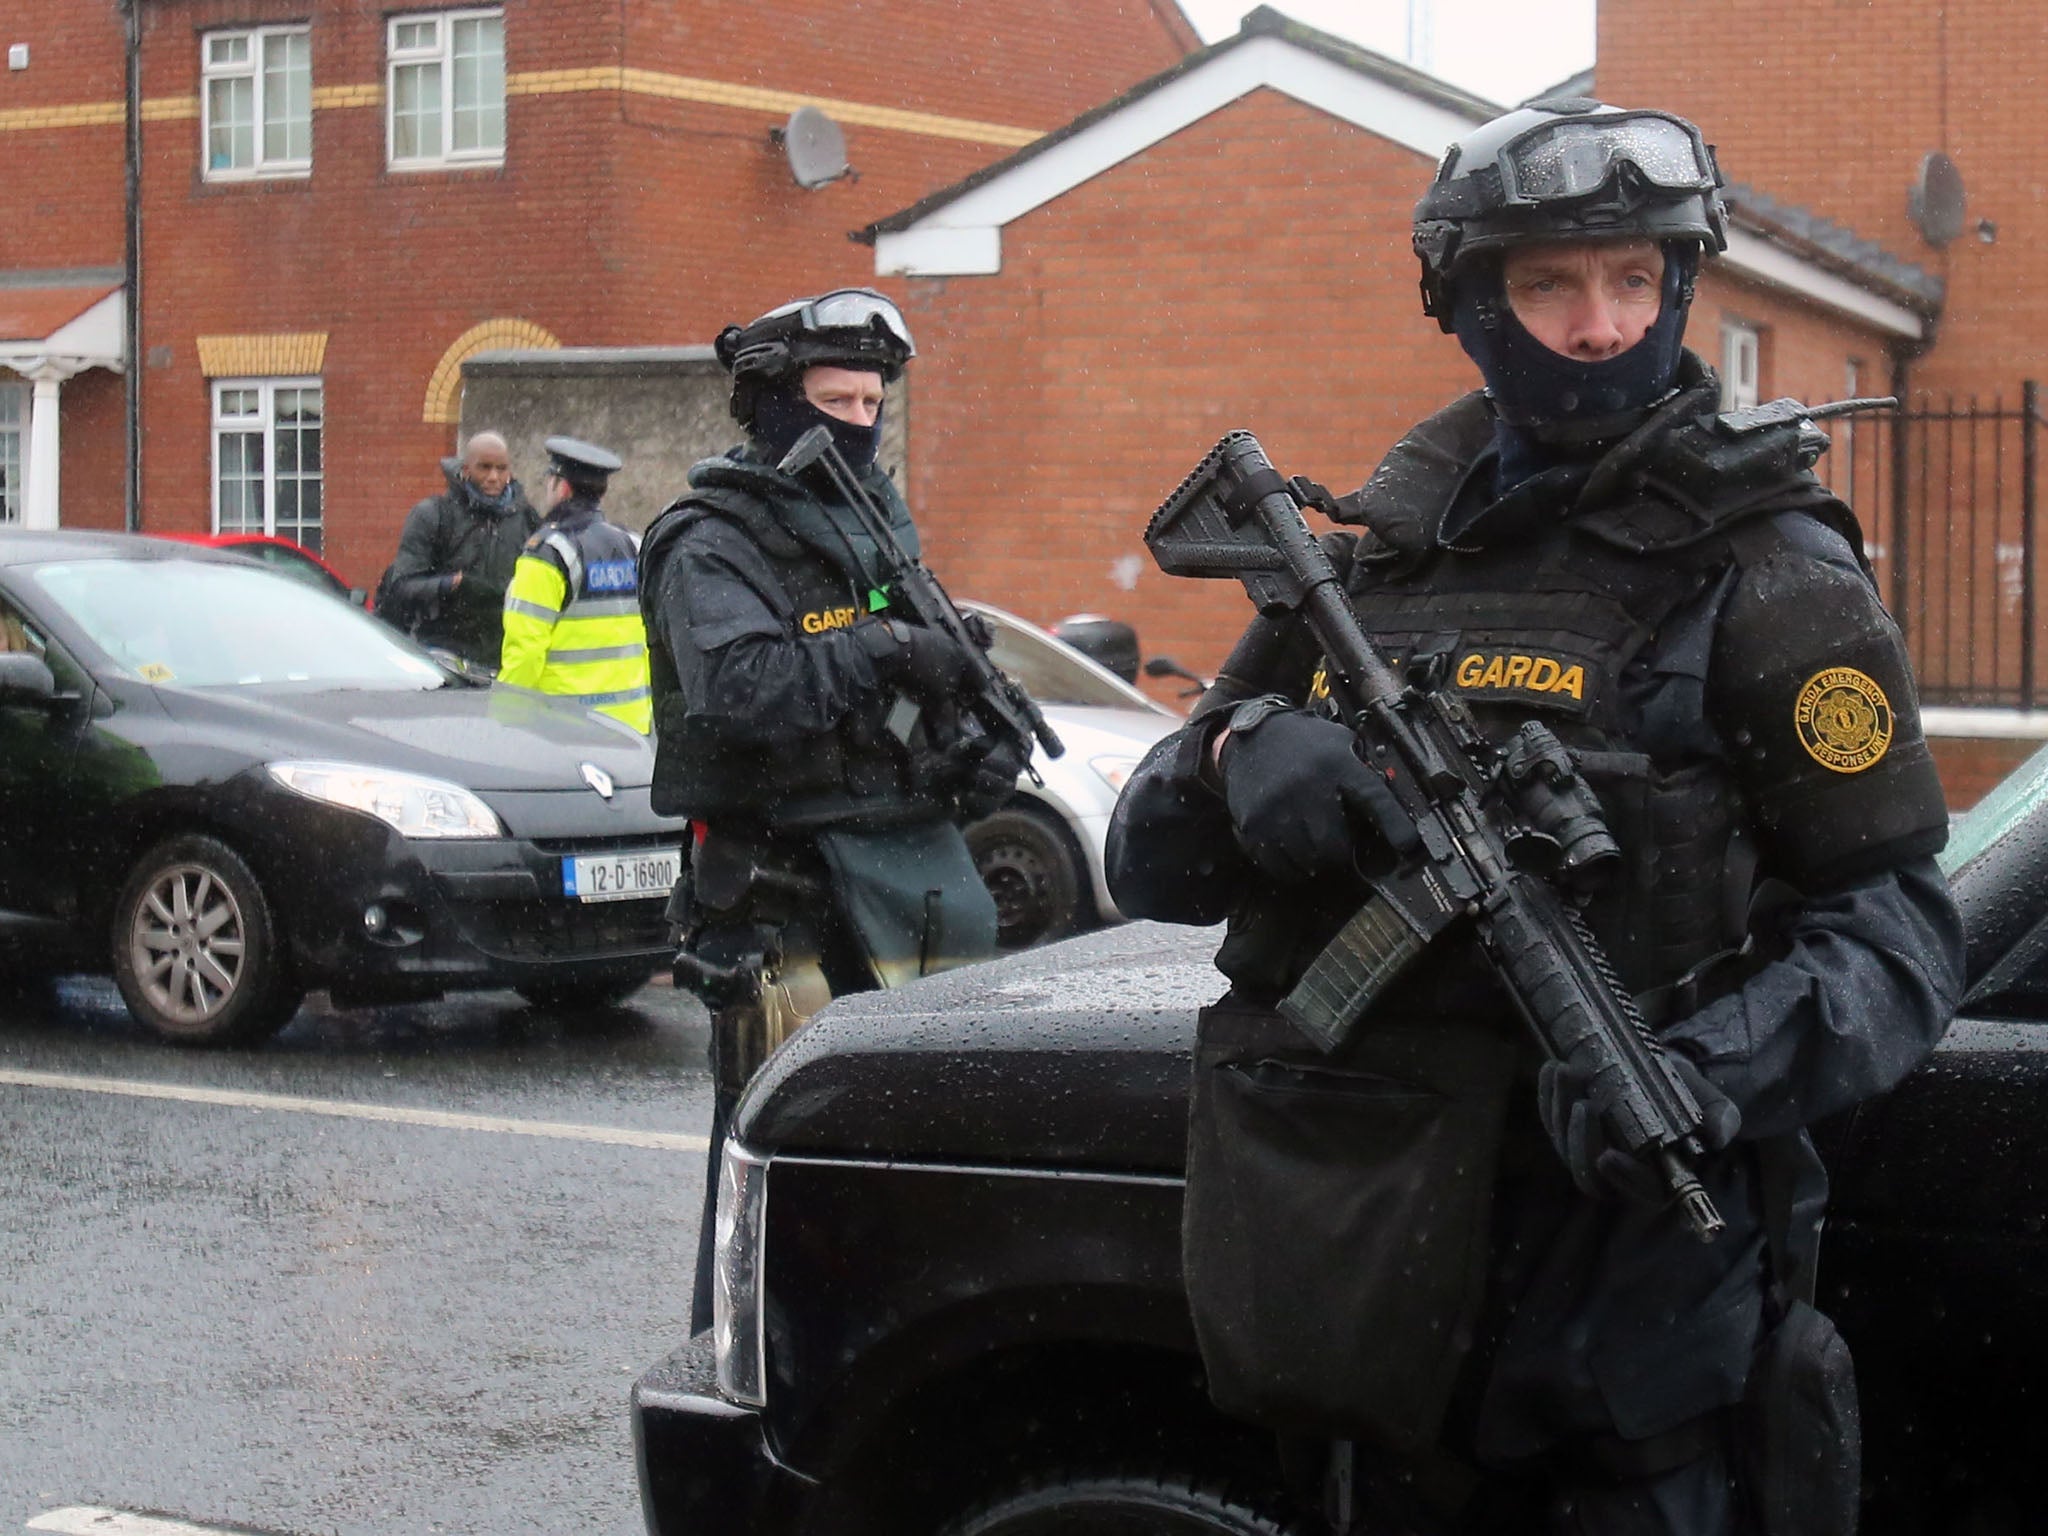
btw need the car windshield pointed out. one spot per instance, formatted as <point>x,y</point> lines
<point>2017,798</point>
<point>1053,673</point>
<point>206,624</point>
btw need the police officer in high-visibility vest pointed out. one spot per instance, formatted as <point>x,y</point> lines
<point>572,614</point>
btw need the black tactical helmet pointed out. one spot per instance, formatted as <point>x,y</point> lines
<point>1566,169</point>
<point>847,328</point>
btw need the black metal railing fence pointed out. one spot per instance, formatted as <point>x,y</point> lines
<point>1948,491</point>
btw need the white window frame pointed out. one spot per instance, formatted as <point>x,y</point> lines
<point>1741,364</point>
<point>441,54</point>
<point>14,408</point>
<point>252,69</point>
<point>263,420</point>
<point>1845,431</point>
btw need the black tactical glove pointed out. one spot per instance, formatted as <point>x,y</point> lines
<point>1301,799</point>
<point>1602,1169</point>
<point>927,662</point>
<point>989,782</point>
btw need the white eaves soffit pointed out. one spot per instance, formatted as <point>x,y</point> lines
<point>1754,257</point>
<point>964,237</point>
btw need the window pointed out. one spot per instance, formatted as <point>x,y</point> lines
<point>257,103</point>
<point>447,89</point>
<point>1740,350</point>
<point>13,416</point>
<point>266,458</point>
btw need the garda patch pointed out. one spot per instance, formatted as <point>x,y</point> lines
<point>1551,678</point>
<point>610,576</point>
<point>1843,719</point>
<point>822,619</point>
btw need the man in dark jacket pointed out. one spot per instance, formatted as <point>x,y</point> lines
<point>812,728</point>
<point>1590,542</point>
<point>446,586</point>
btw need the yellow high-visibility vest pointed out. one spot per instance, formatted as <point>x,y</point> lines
<point>573,626</point>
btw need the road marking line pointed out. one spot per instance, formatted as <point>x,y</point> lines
<point>439,1119</point>
<point>85,1520</point>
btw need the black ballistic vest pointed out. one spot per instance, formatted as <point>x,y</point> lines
<point>859,772</point>
<point>1565,589</point>
<point>1546,632</point>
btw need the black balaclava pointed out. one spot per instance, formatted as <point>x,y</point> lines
<point>1549,404</point>
<point>783,415</point>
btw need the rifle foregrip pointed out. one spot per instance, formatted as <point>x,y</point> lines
<point>1565,985</point>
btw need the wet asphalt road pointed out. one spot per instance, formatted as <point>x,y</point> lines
<point>295,1322</point>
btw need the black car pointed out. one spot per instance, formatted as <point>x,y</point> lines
<point>950,1293</point>
<point>227,789</point>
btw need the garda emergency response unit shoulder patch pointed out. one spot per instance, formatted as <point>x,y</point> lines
<point>1843,719</point>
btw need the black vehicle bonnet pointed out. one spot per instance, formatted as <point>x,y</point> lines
<point>1076,1055</point>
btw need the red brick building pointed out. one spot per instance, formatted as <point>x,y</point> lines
<point>340,200</point>
<point>1840,121</point>
<point>1843,118</point>
<point>1228,245</point>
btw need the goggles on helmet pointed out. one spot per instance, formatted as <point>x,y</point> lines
<point>1571,158</point>
<point>844,309</point>
<point>1576,157</point>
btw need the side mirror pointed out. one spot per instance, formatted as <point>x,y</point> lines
<point>25,679</point>
<point>1166,666</point>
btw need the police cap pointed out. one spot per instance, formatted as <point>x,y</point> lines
<point>584,465</point>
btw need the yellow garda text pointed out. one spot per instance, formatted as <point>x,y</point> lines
<point>1532,674</point>
<point>827,618</point>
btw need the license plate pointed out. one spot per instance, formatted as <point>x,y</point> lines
<point>621,876</point>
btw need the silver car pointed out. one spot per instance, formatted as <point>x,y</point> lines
<point>1041,855</point>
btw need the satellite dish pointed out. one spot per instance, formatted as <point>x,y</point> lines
<point>815,147</point>
<point>1935,200</point>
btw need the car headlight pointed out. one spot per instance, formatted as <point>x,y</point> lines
<point>1115,771</point>
<point>736,1315</point>
<point>415,805</point>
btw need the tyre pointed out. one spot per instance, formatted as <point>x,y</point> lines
<point>1120,1504</point>
<point>591,996</point>
<point>197,954</point>
<point>1031,870</point>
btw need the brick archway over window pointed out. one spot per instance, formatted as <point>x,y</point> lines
<point>444,388</point>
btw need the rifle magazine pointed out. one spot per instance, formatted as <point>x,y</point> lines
<point>1355,967</point>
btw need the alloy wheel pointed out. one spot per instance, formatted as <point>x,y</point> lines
<point>188,943</point>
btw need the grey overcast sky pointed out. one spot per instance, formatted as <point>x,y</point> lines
<point>1503,49</point>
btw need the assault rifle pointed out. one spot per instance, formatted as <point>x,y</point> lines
<point>1496,823</point>
<point>994,696</point>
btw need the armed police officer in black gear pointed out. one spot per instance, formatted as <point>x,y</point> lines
<point>827,743</point>
<point>1428,1246</point>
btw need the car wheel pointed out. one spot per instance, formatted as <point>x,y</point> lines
<point>1120,1504</point>
<point>586,996</point>
<point>196,951</point>
<point>1030,869</point>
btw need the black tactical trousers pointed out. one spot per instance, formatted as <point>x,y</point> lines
<point>1697,1498</point>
